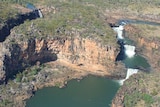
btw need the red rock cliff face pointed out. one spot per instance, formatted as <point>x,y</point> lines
<point>80,53</point>
<point>151,51</point>
<point>147,46</point>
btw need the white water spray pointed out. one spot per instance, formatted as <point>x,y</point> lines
<point>129,73</point>
<point>40,13</point>
<point>119,31</point>
<point>129,50</point>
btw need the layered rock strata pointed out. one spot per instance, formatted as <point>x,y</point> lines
<point>82,52</point>
<point>147,45</point>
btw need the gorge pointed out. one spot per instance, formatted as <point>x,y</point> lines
<point>52,62</point>
<point>127,92</point>
<point>76,53</point>
<point>20,19</point>
<point>63,48</point>
<point>129,52</point>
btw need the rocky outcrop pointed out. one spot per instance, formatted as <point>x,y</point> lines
<point>66,58</point>
<point>147,45</point>
<point>141,86</point>
<point>150,49</point>
<point>85,52</point>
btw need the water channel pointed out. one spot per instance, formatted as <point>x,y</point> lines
<point>91,91</point>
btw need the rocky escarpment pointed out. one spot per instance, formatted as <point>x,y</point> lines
<point>66,58</point>
<point>141,89</point>
<point>151,52</point>
<point>82,52</point>
<point>53,50</point>
<point>147,44</point>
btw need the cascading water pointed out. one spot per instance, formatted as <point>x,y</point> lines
<point>129,50</point>
<point>40,13</point>
<point>119,31</point>
<point>129,73</point>
<point>32,7</point>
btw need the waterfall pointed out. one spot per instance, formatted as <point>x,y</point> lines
<point>33,8</point>
<point>119,31</point>
<point>129,50</point>
<point>129,73</point>
<point>40,13</point>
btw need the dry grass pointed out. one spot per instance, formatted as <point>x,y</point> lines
<point>7,11</point>
<point>142,90</point>
<point>148,30</point>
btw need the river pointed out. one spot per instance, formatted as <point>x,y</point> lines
<point>92,91</point>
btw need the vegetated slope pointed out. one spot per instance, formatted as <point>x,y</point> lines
<point>147,41</point>
<point>7,12</point>
<point>73,33</point>
<point>141,90</point>
<point>65,18</point>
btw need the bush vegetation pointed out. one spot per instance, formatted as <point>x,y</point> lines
<point>101,4</point>
<point>19,77</point>
<point>6,12</point>
<point>78,17</point>
<point>28,73</point>
<point>142,90</point>
<point>21,2</point>
<point>70,19</point>
<point>132,99</point>
<point>5,103</point>
<point>148,31</point>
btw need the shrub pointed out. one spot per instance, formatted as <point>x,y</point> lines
<point>132,99</point>
<point>5,103</point>
<point>147,98</point>
<point>19,77</point>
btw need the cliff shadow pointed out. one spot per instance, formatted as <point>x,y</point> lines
<point>121,54</point>
<point>17,61</point>
<point>11,23</point>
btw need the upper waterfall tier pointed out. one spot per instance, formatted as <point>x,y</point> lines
<point>119,31</point>
<point>40,13</point>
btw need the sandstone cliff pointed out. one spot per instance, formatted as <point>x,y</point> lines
<point>140,90</point>
<point>70,41</point>
<point>147,41</point>
<point>66,58</point>
<point>82,52</point>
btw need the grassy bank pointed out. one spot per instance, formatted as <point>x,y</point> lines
<point>142,90</point>
<point>69,19</point>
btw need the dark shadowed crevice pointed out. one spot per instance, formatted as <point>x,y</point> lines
<point>19,60</point>
<point>11,23</point>
<point>121,54</point>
